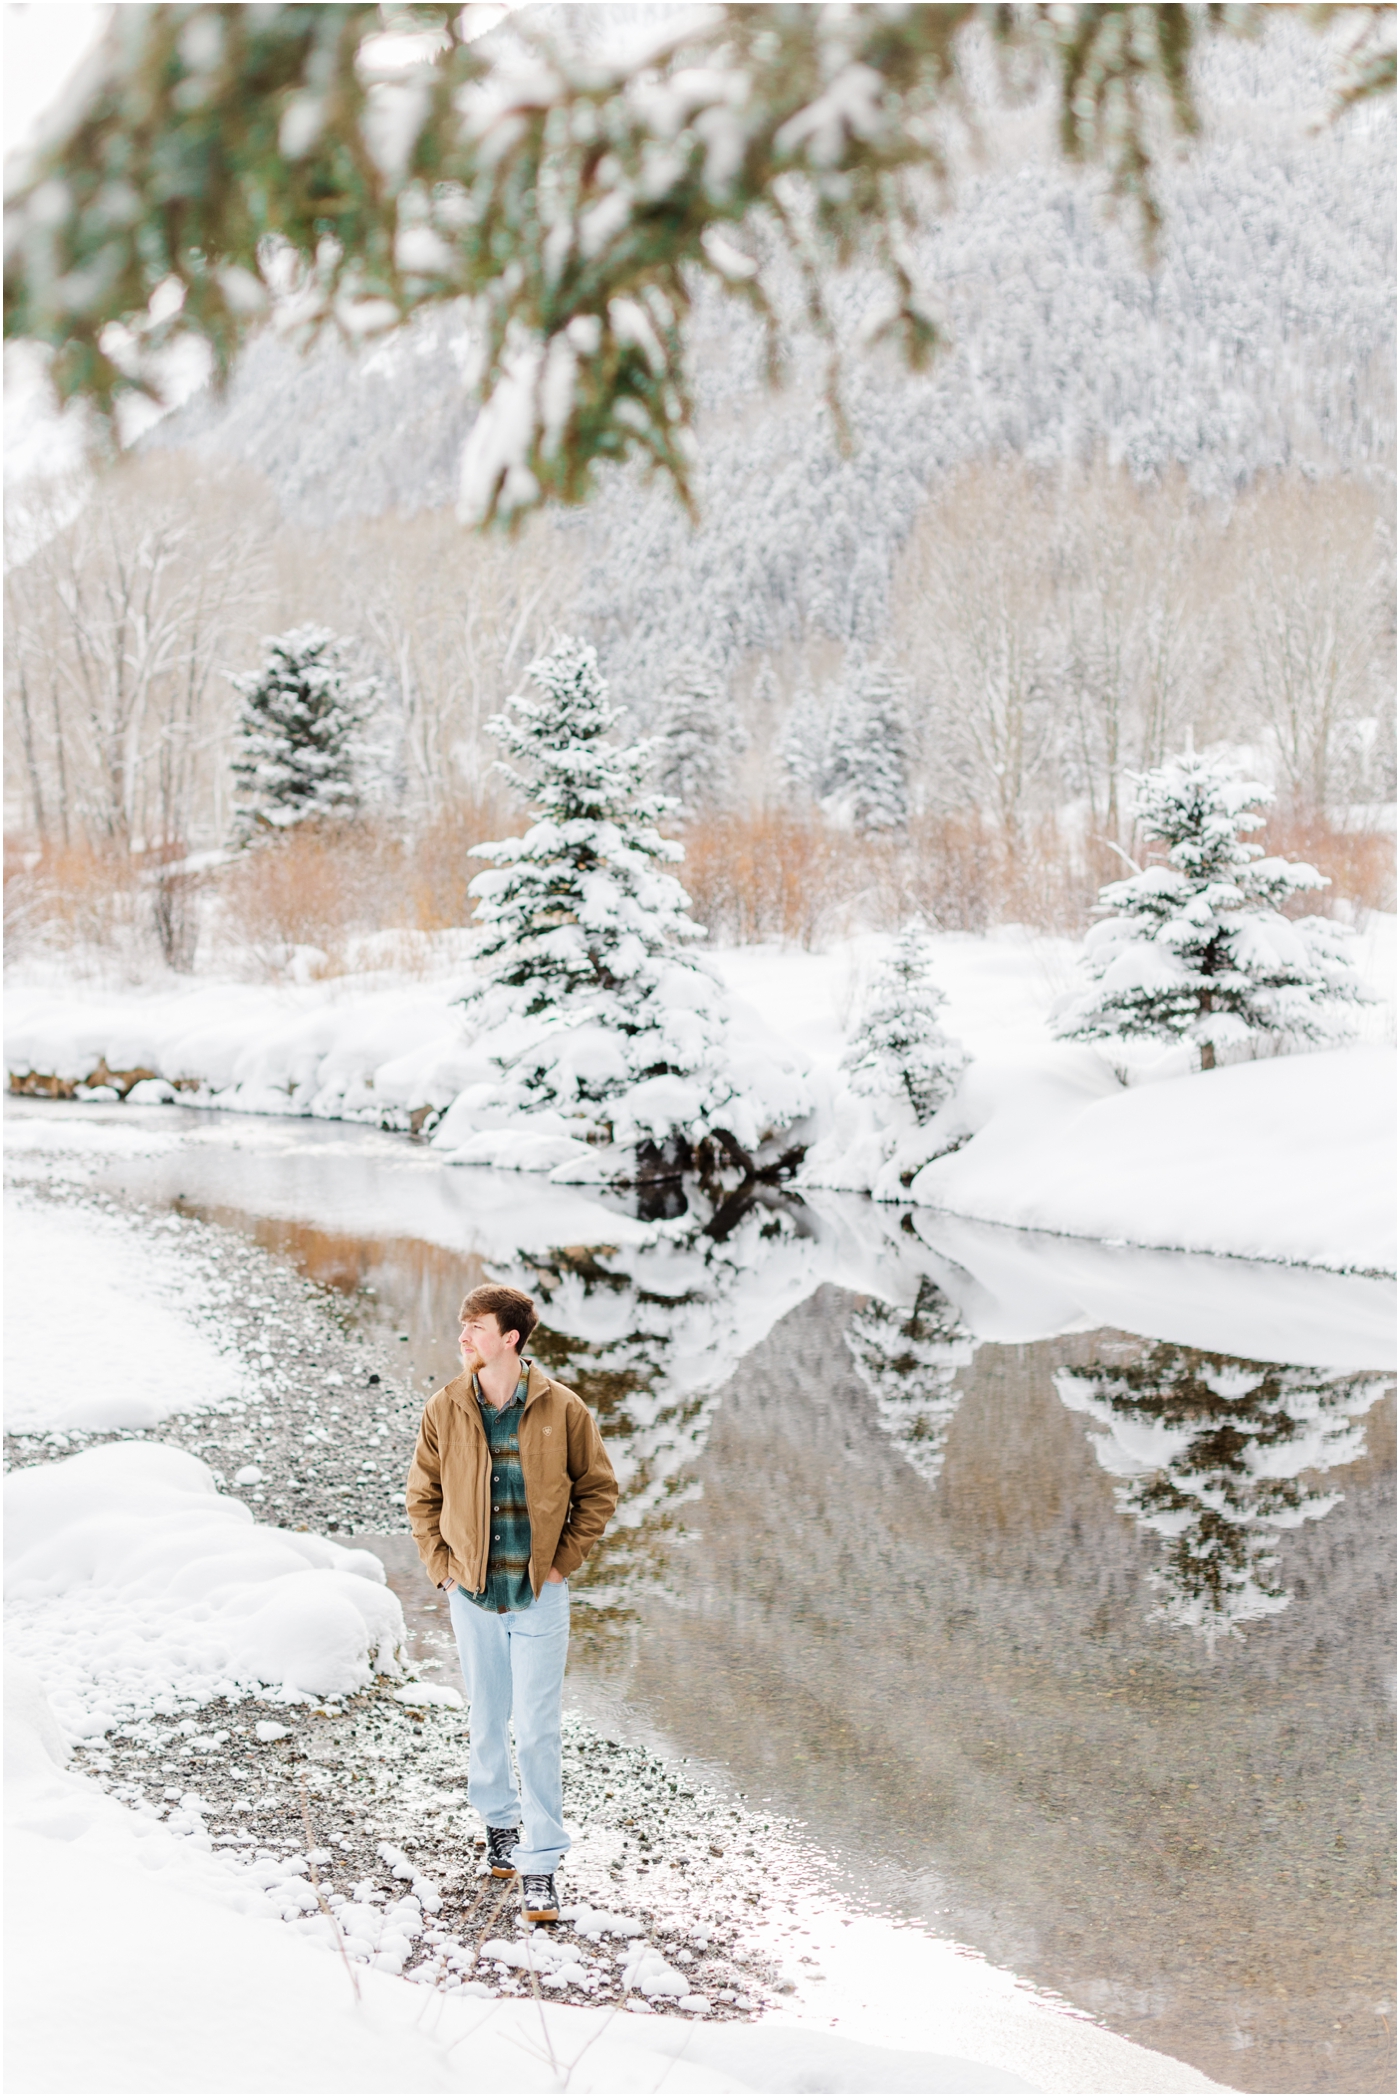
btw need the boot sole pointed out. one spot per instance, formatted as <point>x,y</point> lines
<point>504,1871</point>
<point>541,1914</point>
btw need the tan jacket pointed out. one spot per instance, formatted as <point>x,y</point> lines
<point>570,1489</point>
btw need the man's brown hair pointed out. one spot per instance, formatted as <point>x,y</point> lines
<point>512,1310</point>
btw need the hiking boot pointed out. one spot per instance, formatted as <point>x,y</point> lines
<point>500,1842</point>
<point>539,1899</point>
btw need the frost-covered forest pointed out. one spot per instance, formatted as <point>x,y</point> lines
<point>1126,504</point>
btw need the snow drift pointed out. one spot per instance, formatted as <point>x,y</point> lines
<point>395,1057</point>
<point>170,1591</point>
<point>1276,1160</point>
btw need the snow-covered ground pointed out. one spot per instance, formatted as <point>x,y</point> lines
<point>99,1344</point>
<point>141,1597</point>
<point>1280,1160</point>
<point>1273,1160</point>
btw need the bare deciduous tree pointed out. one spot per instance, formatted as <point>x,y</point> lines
<point>119,620</point>
<point>1312,587</point>
<point>449,621</point>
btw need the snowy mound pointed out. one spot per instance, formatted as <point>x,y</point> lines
<point>1275,1160</point>
<point>171,1592</point>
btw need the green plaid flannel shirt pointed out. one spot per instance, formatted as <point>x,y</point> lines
<point>508,1554</point>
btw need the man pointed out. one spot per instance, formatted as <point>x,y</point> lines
<point>509,1490</point>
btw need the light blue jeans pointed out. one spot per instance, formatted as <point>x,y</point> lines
<point>513,1666</point>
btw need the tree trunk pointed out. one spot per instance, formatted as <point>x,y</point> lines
<point>1207,1055</point>
<point>31,761</point>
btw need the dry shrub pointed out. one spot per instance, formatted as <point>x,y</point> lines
<point>62,897</point>
<point>324,885</point>
<point>964,873</point>
<point>439,867</point>
<point>312,887</point>
<point>773,875</point>
<point>1360,864</point>
<point>770,875</point>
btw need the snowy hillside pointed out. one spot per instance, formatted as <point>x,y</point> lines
<point>1262,340</point>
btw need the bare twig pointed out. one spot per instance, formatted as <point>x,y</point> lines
<point>1121,853</point>
<point>321,1900</point>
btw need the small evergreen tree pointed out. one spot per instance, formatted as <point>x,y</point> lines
<point>1194,946</point>
<point>802,746</point>
<point>698,736</point>
<point>899,1050</point>
<point>1211,1450</point>
<point>865,777</point>
<point>765,693</point>
<point>295,753</point>
<point>592,1007</point>
<point>909,1360</point>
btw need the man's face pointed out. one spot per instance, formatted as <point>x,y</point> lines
<point>482,1338</point>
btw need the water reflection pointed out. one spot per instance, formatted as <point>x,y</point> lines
<point>648,1333</point>
<point>908,1358</point>
<point>1212,1451</point>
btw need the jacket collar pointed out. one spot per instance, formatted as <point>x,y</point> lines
<point>461,1393</point>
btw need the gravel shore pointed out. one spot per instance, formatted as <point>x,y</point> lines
<point>319,1440</point>
<point>326,1419</point>
<point>373,1782</point>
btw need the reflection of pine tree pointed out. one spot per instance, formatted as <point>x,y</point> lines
<point>647,1333</point>
<point>1212,1451</point>
<point>909,1360</point>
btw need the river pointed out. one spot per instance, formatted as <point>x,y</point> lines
<point>1023,1572</point>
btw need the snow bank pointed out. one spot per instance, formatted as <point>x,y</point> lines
<point>874,1147</point>
<point>396,1057</point>
<point>96,1338</point>
<point>340,1050</point>
<point>379,1054</point>
<point>1275,1160</point>
<point>133,1585</point>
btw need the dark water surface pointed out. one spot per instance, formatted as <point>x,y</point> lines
<point>1078,1647</point>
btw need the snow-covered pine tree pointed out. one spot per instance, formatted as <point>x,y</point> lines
<point>295,753</point>
<point>697,738</point>
<point>594,1013</point>
<point>802,746</point>
<point>1211,1451</point>
<point>899,1051</point>
<point>1195,946</point>
<point>765,691</point>
<point>866,773</point>
<point>908,1360</point>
